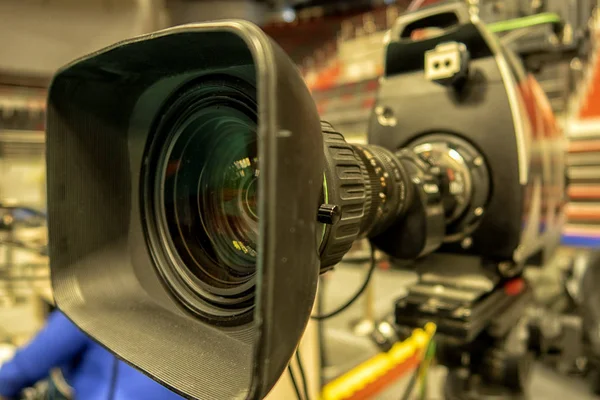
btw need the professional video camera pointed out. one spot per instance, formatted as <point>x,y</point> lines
<point>209,196</point>
<point>491,131</point>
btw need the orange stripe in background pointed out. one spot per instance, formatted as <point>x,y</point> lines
<point>584,146</point>
<point>584,192</point>
<point>587,215</point>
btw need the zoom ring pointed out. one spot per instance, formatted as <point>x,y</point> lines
<point>388,188</point>
<point>346,188</point>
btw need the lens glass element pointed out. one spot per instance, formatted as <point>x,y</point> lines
<point>207,194</point>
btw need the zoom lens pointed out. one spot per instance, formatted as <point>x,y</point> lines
<point>388,187</point>
<point>370,188</point>
<point>205,198</point>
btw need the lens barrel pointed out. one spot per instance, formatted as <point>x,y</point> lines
<point>388,188</point>
<point>406,202</point>
<point>370,186</point>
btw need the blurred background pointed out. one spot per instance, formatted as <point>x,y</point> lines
<point>339,47</point>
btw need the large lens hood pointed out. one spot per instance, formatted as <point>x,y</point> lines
<point>101,113</point>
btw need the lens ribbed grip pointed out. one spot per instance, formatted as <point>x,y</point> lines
<point>398,175</point>
<point>346,188</point>
<point>373,189</point>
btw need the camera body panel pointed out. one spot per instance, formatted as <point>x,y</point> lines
<point>489,111</point>
<point>101,113</point>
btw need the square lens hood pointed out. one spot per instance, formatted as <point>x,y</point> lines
<point>101,109</point>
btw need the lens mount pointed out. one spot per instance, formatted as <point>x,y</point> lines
<point>200,196</point>
<point>464,177</point>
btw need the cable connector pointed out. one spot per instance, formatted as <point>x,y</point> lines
<point>447,64</point>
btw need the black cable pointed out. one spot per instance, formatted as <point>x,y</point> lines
<point>358,293</point>
<point>302,375</point>
<point>513,36</point>
<point>113,379</point>
<point>415,375</point>
<point>293,378</point>
<point>324,361</point>
<point>411,384</point>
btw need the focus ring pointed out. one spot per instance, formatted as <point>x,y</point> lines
<point>397,173</point>
<point>370,190</point>
<point>373,189</point>
<point>345,188</point>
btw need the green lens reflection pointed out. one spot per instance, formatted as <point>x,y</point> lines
<point>210,191</point>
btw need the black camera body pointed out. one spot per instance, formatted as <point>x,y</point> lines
<point>493,106</point>
<point>456,96</point>
<point>453,94</point>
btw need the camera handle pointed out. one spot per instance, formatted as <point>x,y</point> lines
<point>439,16</point>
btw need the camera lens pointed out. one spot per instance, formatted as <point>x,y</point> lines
<point>370,186</point>
<point>205,197</point>
<point>388,188</point>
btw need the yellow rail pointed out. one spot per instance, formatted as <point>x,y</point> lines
<point>374,374</point>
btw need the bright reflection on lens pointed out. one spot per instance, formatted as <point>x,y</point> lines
<point>214,194</point>
<point>208,195</point>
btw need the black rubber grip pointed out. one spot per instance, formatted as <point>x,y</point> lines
<point>346,188</point>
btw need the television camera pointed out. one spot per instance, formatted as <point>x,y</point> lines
<point>209,197</point>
